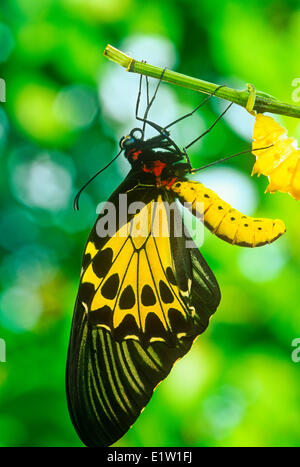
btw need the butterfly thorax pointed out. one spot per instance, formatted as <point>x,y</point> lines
<point>157,159</point>
<point>159,167</point>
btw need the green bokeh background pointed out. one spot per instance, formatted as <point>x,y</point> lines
<point>65,111</point>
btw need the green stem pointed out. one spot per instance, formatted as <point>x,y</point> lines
<point>263,102</point>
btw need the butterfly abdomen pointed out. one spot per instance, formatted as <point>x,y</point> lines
<point>223,220</point>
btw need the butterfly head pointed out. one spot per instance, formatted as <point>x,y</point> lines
<point>137,150</point>
<point>135,137</point>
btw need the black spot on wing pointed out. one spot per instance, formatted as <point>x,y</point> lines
<point>128,327</point>
<point>170,276</point>
<point>86,260</point>
<point>165,292</point>
<point>177,321</point>
<point>147,296</point>
<point>110,288</point>
<point>102,262</point>
<point>127,299</point>
<point>86,293</point>
<point>155,328</point>
<point>100,316</point>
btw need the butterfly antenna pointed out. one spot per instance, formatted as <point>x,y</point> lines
<point>76,199</point>
<point>229,157</point>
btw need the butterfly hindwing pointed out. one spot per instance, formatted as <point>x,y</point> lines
<point>141,302</point>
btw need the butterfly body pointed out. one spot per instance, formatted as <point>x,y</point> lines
<point>144,296</point>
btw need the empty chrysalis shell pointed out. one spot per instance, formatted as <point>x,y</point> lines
<point>280,161</point>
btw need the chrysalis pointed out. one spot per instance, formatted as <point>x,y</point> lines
<point>280,161</point>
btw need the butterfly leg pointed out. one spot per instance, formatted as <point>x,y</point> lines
<point>139,98</point>
<point>188,160</point>
<point>197,108</point>
<point>154,95</point>
<point>210,128</point>
<point>144,119</point>
<point>149,104</point>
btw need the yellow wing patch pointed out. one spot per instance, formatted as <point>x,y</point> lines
<point>224,221</point>
<point>133,277</point>
<point>280,162</point>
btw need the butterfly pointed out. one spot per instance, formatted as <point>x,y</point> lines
<point>280,160</point>
<point>144,295</point>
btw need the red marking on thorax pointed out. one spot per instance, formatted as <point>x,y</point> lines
<point>135,153</point>
<point>156,168</point>
<point>169,183</point>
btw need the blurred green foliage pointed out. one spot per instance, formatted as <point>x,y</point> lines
<point>65,111</point>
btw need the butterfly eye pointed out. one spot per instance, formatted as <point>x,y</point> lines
<point>126,141</point>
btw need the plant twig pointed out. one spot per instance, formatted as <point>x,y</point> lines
<point>263,102</point>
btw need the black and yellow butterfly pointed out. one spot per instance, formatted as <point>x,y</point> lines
<point>144,298</point>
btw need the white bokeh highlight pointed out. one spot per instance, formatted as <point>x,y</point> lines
<point>262,264</point>
<point>42,183</point>
<point>232,186</point>
<point>20,308</point>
